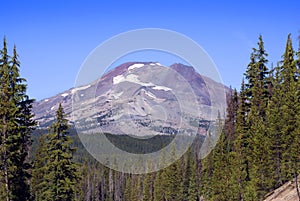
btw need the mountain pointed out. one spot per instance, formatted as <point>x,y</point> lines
<point>139,98</point>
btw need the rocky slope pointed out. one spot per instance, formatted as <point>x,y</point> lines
<point>287,192</point>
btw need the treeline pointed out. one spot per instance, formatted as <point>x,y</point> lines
<point>258,149</point>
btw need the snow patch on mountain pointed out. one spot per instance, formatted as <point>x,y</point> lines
<point>130,78</point>
<point>80,88</point>
<point>134,79</point>
<point>135,66</point>
<point>118,79</point>
<point>162,88</point>
<point>64,94</point>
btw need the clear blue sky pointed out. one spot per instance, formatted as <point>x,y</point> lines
<point>54,37</point>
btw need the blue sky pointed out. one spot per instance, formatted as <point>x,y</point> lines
<point>54,37</point>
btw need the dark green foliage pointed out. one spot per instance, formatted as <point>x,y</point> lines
<point>38,170</point>
<point>59,172</point>
<point>159,186</point>
<point>259,147</point>
<point>173,177</point>
<point>16,125</point>
<point>139,146</point>
<point>188,188</point>
<point>148,185</point>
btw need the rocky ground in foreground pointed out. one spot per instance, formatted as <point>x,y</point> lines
<point>287,192</point>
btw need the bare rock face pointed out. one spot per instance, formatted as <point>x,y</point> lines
<point>142,98</point>
<point>287,192</point>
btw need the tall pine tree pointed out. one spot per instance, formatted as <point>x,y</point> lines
<point>16,126</point>
<point>38,170</point>
<point>61,173</point>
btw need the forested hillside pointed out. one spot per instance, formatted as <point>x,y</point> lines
<point>258,150</point>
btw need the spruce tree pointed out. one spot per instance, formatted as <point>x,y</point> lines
<point>281,117</point>
<point>257,98</point>
<point>289,107</point>
<point>275,122</point>
<point>148,184</point>
<point>207,172</point>
<point>38,170</point>
<point>256,75</point>
<point>173,177</point>
<point>241,144</point>
<point>128,187</point>
<point>295,146</point>
<point>160,182</point>
<point>159,185</point>
<point>61,172</point>
<point>188,185</point>
<point>192,190</point>
<point>16,127</point>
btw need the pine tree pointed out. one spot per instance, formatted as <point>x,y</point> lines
<point>274,121</point>
<point>289,106</point>
<point>128,188</point>
<point>230,180</point>
<point>160,182</point>
<point>137,187</point>
<point>38,170</point>
<point>257,142</point>
<point>295,145</point>
<point>192,190</point>
<point>218,183</point>
<point>5,114</point>
<point>207,172</point>
<point>16,126</point>
<point>256,74</point>
<point>188,186</point>
<point>159,186</point>
<point>241,144</point>
<point>148,184</point>
<point>61,172</point>
<point>260,160</point>
<point>281,117</point>
<point>173,177</point>
<point>230,121</point>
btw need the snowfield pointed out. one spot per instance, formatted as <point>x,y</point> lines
<point>80,88</point>
<point>135,66</point>
<point>134,79</point>
<point>64,94</point>
<point>162,88</point>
